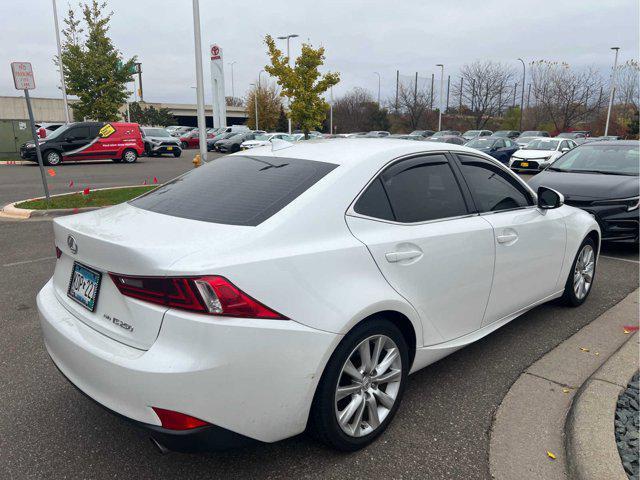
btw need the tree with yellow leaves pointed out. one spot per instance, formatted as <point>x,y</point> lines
<point>302,84</point>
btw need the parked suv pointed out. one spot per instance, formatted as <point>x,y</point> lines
<point>121,142</point>
<point>158,141</point>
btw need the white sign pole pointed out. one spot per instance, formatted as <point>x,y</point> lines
<point>23,79</point>
<point>219,102</point>
<point>202,124</point>
<point>62,84</point>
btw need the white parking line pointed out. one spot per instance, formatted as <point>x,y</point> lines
<point>621,259</point>
<point>28,261</point>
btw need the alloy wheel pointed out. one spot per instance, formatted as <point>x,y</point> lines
<point>583,272</point>
<point>130,156</point>
<point>368,385</point>
<point>53,158</point>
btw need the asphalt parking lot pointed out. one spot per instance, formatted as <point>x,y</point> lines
<point>49,430</point>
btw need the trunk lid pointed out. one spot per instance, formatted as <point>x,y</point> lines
<point>130,241</point>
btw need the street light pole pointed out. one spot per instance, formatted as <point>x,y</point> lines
<point>63,86</point>
<point>202,125</point>
<point>233,94</point>
<point>287,38</point>
<point>524,77</point>
<point>331,112</point>
<point>255,101</point>
<point>612,92</point>
<point>441,91</point>
<point>378,88</point>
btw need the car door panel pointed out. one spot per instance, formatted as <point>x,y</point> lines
<point>529,242</point>
<point>415,220</point>
<point>530,246</point>
<point>444,269</point>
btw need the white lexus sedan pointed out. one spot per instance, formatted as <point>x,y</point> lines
<point>298,286</point>
<point>539,153</point>
<point>264,139</point>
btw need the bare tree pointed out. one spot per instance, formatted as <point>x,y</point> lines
<point>486,89</point>
<point>358,111</point>
<point>413,104</point>
<point>566,96</point>
<point>234,102</point>
<point>627,84</point>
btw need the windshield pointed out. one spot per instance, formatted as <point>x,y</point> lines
<point>542,145</point>
<point>60,131</point>
<point>565,135</point>
<point>264,137</point>
<point>501,133</point>
<point>471,133</point>
<point>616,159</point>
<point>155,132</point>
<point>532,133</point>
<point>481,143</point>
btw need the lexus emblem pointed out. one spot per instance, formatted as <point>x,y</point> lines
<point>71,243</point>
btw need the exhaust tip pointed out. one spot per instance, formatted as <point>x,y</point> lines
<point>163,450</point>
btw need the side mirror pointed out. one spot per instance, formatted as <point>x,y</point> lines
<point>549,199</point>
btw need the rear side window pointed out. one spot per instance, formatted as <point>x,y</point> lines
<point>414,190</point>
<point>492,188</point>
<point>237,190</point>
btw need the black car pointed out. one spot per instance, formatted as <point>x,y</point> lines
<point>211,142</point>
<point>232,144</point>
<point>499,148</point>
<point>512,134</point>
<point>422,133</point>
<point>601,178</point>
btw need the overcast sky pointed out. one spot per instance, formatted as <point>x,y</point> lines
<point>360,37</point>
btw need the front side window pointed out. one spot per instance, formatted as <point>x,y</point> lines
<point>78,133</point>
<point>492,188</point>
<point>414,190</point>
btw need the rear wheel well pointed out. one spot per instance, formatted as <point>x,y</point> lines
<point>404,325</point>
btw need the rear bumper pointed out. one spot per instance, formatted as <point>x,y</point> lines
<point>248,378</point>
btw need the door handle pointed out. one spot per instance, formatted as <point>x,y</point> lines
<point>393,257</point>
<point>506,238</point>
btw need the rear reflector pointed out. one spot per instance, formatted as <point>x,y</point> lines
<point>177,421</point>
<point>210,294</point>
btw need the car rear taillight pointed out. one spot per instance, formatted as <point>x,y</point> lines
<point>177,421</point>
<point>210,294</point>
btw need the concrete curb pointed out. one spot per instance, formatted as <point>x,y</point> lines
<point>10,211</point>
<point>14,162</point>
<point>590,443</point>
<point>530,421</point>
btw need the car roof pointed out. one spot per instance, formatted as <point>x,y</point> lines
<point>342,151</point>
<point>623,143</point>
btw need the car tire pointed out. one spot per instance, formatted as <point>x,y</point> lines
<point>184,145</point>
<point>364,396</point>
<point>235,148</point>
<point>581,276</point>
<point>177,153</point>
<point>51,158</point>
<point>129,156</point>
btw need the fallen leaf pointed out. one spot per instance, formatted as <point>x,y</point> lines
<point>584,349</point>
<point>566,390</point>
<point>597,353</point>
<point>551,455</point>
<point>631,328</point>
<point>51,172</point>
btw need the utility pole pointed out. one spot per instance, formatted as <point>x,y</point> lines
<point>415,89</point>
<point>202,125</point>
<point>613,89</point>
<point>233,93</point>
<point>460,107</point>
<point>528,99</point>
<point>524,78</point>
<point>331,110</point>
<point>378,88</point>
<point>431,100</point>
<point>63,85</point>
<point>139,71</point>
<point>441,92</point>
<point>446,108</point>
<point>397,86</point>
<point>515,90</point>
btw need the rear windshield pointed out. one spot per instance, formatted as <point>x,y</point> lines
<point>235,190</point>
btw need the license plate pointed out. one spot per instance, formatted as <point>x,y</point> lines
<point>84,285</point>
<point>169,148</point>
<point>524,164</point>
